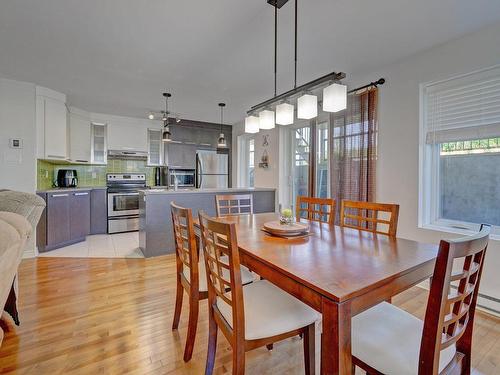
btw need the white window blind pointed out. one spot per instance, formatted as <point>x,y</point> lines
<point>463,108</point>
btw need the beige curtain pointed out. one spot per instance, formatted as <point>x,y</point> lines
<point>354,148</point>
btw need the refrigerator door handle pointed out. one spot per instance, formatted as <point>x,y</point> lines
<point>199,172</point>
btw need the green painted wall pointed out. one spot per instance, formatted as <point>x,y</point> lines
<point>91,175</point>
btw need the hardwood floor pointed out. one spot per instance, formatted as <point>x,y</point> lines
<point>114,316</point>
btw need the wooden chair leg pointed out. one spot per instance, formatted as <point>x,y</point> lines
<point>309,340</point>
<point>239,360</point>
<point>194,306</point>
<point>270,347</point>
<point>178,304</point>
<point>212,344</point>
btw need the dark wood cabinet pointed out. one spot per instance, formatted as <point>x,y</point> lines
<point>98,211</point>
<point>58,217</point>
<point>79,220</point>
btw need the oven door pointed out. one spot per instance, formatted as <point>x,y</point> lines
<point>123,204</point>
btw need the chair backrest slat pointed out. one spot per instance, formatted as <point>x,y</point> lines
<point>185,242</point>
<point>366,216</point>
<point>234,204</point>
<point>315,209</point>
<point>450,310</point>
<point>222,263</point>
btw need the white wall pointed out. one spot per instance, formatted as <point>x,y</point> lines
<point>398,142</point>
<point>17,120</point>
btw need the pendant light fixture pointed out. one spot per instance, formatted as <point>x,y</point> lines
<point>307,102</point>
<point>252,124</point>
<point>307,107</point>
<point>266,119</point>
<point>221,142</point>
<point>334,98</point>
<point>166,136</point>
<point>284,114</point>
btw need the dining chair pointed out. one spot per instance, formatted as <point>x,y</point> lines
<point>388,340</point>
<point>191,274</point>
<point>315,209</point>
<point>249,316</point>
<point>234,204</point>
<point>367,216</point>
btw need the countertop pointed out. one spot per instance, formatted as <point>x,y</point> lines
<point>198,191</point>
<point>80,188</point>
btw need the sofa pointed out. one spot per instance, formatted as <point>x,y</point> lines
<point>19,215</point>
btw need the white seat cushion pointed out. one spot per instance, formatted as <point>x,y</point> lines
<point>269,311</point>
<point>388,339</point>
<point>246,275</point>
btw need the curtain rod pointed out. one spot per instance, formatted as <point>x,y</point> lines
<point>380,81</point>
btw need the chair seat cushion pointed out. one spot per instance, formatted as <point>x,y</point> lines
<point>246,275</point>
<point>388,339</point>
<point>269,311</point>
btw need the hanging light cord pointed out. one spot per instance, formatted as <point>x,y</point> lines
<point>275,45</point>
<point>295,81</point>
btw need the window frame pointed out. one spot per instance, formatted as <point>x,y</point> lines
<point>243,159</point>
<point>429,174</point>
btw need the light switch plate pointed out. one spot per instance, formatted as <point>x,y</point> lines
<point>15,143</point>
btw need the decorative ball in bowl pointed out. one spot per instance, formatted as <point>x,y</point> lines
<point>286,217</point>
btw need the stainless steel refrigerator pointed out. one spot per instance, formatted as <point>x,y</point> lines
<point>212,170</point>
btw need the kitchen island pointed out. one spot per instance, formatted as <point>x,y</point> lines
<point>155,222</point>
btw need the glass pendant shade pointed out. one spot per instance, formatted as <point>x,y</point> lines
<point>307,106</point>
<point>166,136</point>
<point>222,141</point>
<point>284,114</point>
<point>251,124</point>
<point>266,119</point>
<point>334,98</point>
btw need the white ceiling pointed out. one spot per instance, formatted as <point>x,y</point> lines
<point>118,56</point>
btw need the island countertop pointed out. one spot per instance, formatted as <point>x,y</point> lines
<point>155,220</point>
<point>154,190</point>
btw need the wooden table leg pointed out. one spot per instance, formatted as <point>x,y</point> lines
<point>336,356</point>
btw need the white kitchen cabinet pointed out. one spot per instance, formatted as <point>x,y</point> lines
<point>127,136</point>
<point>80,139</point>
<point>52,125</point>
<point>155,147</point>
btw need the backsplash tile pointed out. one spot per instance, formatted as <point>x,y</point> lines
<point>91,175</point>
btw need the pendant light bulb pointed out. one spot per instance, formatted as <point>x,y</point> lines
<point>166,136</point>
<point>266,119</point>
<point>307,107</point>
<point>251,124</point>
<point>284,114</point>
<point>334,98</point>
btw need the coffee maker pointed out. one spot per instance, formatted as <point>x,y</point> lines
<point>67,178</point>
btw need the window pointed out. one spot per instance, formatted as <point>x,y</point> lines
<point>246,161</point>
<point>251,163</point>
<point>460,152</point>
<point>301,140</point>
<point>322,161</point>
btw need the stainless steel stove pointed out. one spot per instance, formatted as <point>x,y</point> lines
<point>123,201</point>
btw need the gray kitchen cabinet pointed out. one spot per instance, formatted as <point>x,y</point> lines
<point>58,217</point>
<point>79,220</point>
<point>66,219</point>
<point>98,211</point>
<point>180,155</point>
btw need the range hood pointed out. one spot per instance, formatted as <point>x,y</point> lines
<point>127,154</point>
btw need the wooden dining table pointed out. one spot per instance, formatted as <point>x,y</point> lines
<point>338,271</point>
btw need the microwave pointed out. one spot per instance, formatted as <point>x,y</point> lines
<point>184,178</point>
